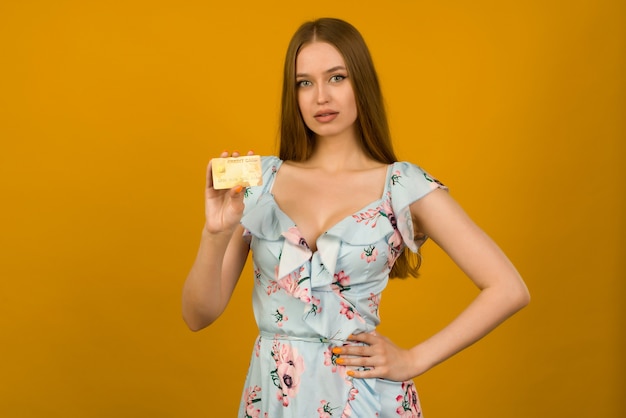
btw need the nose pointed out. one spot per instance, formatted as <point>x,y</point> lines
<point>322,94</point>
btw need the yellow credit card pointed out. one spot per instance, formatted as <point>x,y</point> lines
<point>236,171</point>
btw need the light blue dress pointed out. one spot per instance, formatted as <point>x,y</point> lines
<point>305,303</point>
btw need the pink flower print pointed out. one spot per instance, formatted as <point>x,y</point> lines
<point>347,310</point>
<point>369,254</point>
<point>257,347</point>
<point>395,240</point>
<point>287,373</point>
<point>294,236</point>
<point>341,283</point>
<point>409,403</point>
<point>353,393</point>
<point>315,306</point>
<point>395,177</point>
<point>370,215</point>
<point>330,359</point>
<point>272,287</point>
<point>394,251</point>
<point>434,183</point>
<point>392,256</point>
<point>251,412</point>
<point>280,316</point>
<point>347,412</point>
<point>387,211</point>
<point>325,411</point>
<point>342,279</point>
<point>405,414</point>
<point>251,397</point>
<point>292,285</point>
<point>412,397</point>
<point>251,393</point>
<point>257,276</point>
<point>289,368</point>
<point>282,398</point>
<point>374,302</point>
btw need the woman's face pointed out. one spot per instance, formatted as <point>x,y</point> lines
<point>325,95</point>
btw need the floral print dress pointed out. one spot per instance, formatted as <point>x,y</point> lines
<point>305,303</point>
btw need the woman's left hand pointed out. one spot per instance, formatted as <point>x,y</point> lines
<point>381,356</point>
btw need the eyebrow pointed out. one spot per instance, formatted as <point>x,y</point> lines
<point>330,70</point>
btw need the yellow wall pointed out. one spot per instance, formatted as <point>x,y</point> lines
<point>109,112</point>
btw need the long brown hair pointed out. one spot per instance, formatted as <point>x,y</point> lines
<point>297,141</point>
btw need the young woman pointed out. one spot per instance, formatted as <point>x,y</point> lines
<point>336,216</point>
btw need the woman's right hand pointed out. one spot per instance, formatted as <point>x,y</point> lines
<point>223,208</point>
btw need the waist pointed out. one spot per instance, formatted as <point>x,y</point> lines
<point>319,340</point>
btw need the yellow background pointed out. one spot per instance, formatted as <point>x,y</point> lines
<point>110,110</point>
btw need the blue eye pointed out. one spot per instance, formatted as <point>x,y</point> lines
<point>337,78</point>
<point>304,83</point>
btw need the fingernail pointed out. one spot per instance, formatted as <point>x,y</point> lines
<point>350,337</point>
<point>339,361</point>
<point>350,373</point>
<point>336,350</point>
<point>238,189</point>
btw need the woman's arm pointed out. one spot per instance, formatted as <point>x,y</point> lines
<point>220,259</point>
<point>213,276</point>
<point>502,293</point>
<point>502,290</point>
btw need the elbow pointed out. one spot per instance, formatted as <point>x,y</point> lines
<point>193,326</point>
<point>526,299</point>
<point>520,297</point>
<point>197,315</point>
<point>196,322</point>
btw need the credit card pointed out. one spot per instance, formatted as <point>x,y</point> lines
<point>236,171</point>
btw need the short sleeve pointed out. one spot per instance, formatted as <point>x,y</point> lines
<point>409,183</point>
<point>269,167</point>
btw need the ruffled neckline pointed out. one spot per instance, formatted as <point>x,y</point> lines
<point>267,221</point>
<point>339,229</point>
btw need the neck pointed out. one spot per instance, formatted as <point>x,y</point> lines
<point>339,153</point>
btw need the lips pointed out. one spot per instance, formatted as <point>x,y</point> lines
<point>325,116</point>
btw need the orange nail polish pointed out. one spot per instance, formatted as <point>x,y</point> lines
<point>340,361</point>
<point>350,373</point>
<point>336,350</point>
<point>238,189</point>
